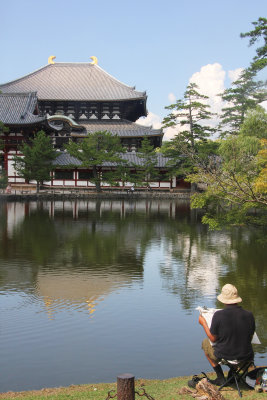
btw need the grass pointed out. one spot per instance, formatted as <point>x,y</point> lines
<point>159,389</point>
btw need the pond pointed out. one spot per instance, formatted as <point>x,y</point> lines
<point>93,289</point>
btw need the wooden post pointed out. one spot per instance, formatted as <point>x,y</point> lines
<point>125,387</point>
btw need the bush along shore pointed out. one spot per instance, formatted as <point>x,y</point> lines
<point>168,389</point>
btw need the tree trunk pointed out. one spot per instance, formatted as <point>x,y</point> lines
<point>96,174</point>
<point>98,186</point>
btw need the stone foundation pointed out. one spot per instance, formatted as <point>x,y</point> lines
<point>60,195</point>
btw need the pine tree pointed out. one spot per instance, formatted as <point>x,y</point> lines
<point>191,113</point>
<point>245,94</point>
<point>36,160</point>
<point>260,31</point>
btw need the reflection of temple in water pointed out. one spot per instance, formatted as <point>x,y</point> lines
<point>17,211</point>
<point>73,254</point>
<point>81,208</point>
<point>76,291</point>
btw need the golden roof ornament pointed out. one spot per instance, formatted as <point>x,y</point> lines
<point>95,60</point>
<point>51,60</point>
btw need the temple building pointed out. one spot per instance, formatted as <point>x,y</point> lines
<point>68,101</point>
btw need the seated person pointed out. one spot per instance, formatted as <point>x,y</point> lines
<point>231,333</point>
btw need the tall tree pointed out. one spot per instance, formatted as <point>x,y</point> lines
<point>192,113</point>
<point>245,94</point>
<point>259,32</point>
<point>36,160</point>
<point>95,150</point>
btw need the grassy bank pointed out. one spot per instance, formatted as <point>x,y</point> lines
<point>159,389</point>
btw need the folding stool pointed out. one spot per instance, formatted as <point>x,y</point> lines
<point>237,372</point>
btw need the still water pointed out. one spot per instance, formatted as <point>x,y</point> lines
<point>90,290</point>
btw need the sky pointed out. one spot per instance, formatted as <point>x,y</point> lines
<point>156,46</point>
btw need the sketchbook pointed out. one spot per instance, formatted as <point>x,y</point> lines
<point>208,313</point>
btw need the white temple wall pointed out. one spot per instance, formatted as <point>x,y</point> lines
<point>14,178</point>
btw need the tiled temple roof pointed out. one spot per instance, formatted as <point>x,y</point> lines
<point>65,159</point>
<point>122,128</point>
<point>73,82</point>
<point>18,109</point>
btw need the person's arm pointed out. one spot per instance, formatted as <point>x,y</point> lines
<point>203,322</point>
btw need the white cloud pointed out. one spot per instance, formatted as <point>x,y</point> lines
<point>155,121</point>
<point>264,105</point>
<point>171,98</point>
<point>150,120</point>
<point>170,132</point>
<point>210,80</point>
<point>235,74</point>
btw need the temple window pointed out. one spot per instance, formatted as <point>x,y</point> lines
<point>87,175</point>
<point>63,175</point>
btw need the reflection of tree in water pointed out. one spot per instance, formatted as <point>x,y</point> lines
<point>200,262</point>
<point>248,271</point>
<point>190,269</point>
<point>30,245</point>
<point>36,237</point>
<point>97,240</point>
<point>101,241</point>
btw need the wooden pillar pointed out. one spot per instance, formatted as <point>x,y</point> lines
<point>125,387</point>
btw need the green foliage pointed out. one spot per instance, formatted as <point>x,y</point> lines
<point>261,180</point>
<point>205,150</point>
<point>95,150</point>
<point>259,32</point>
<point>3,180</point>
<point>183,159</point>
<point>229,181</point>
<point>255,123</point>
<point>3,128</point>
<point>36,162</point>
<point>244,95</point>
<point>238,155</point>
<point>149,159</point>
<point>174,150</point>
<point>190,113</point>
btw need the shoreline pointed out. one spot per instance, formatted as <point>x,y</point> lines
<point>87,387</point>
<point>167,389</point>
<point>82,195</point>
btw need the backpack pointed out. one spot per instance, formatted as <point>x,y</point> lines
<point>255,376</point>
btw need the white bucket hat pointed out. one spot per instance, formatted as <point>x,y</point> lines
<point>229,295</point>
